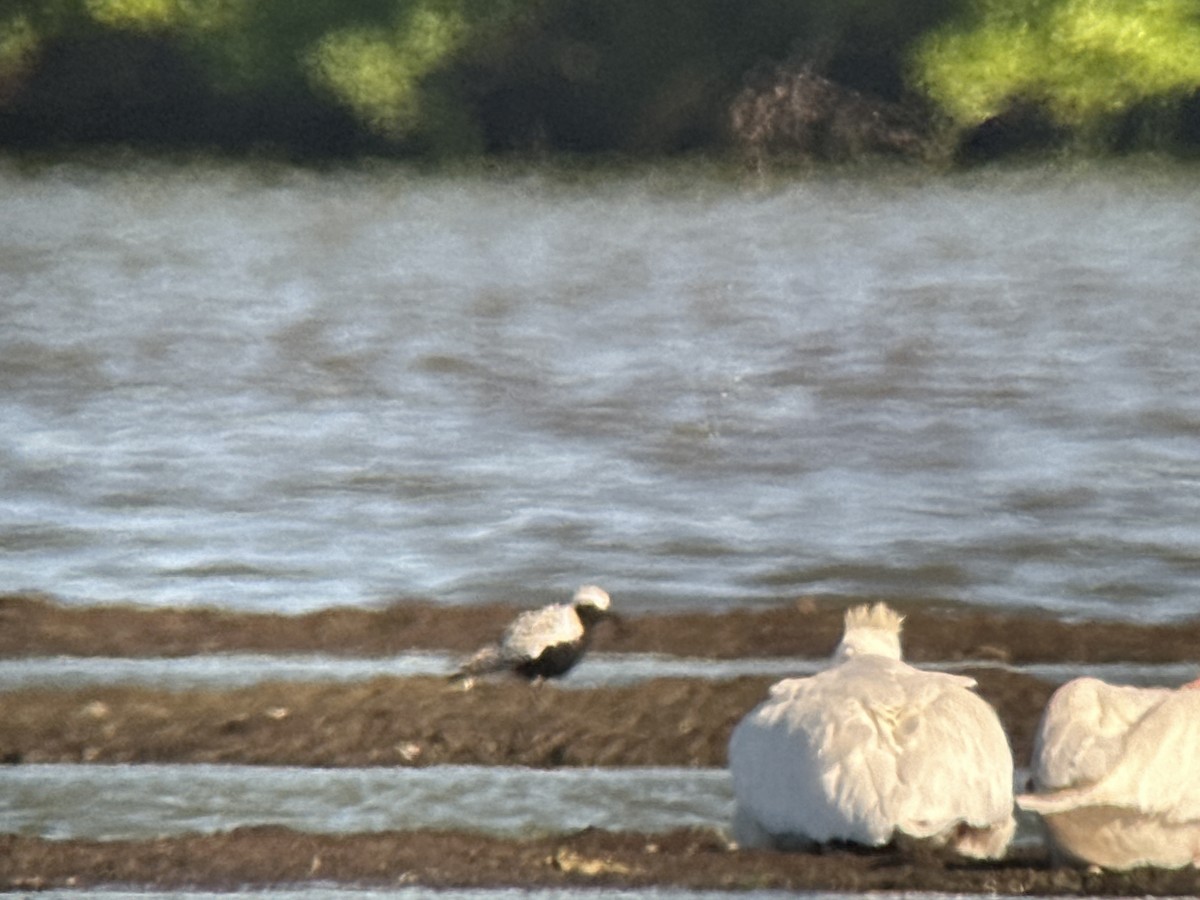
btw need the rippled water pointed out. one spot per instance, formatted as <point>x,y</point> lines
<point>141,802</point>
<point>148,801</point>
<point>270,389</point>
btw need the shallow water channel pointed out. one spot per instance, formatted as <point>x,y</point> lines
<point>232,670</point>
<point>148,801</point>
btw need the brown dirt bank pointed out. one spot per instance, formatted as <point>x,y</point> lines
<point>419,721</point>
<point>35,625</point>
<point>251,857</point>
<point>424,721</point>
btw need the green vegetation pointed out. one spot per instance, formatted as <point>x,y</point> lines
<point>435,77</point>
<point>1084,61</point>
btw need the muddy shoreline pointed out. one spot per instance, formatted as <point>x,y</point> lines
<point>807,627</point>
<point>273,856</point>
<point>388,721</point>
<point>419,721</point>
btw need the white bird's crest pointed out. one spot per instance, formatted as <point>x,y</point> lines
<point>870,630</point>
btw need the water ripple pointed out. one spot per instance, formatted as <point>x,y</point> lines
<point>283,394</point>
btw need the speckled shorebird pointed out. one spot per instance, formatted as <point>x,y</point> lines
<point>542,643</point>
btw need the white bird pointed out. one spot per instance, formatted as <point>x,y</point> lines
<point>543,643</point>
<point>1118,771</point>
<point>871,748</point>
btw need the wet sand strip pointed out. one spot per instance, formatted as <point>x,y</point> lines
<point>809,627</point>
<point>420,721</point>
<point>265,856</point>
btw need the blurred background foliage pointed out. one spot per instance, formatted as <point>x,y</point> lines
<point>464,77</point>
<point>1087,64</point>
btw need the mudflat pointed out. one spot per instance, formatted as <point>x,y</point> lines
<point>266,856</point>
<point>807,627</point>
<point>418,721</point>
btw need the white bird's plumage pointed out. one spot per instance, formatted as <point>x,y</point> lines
<point>1118,769</point>
<point>872,747</point>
